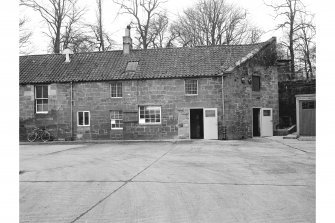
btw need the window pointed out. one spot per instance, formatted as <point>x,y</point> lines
<point>116,119</point>
<point>191,87</point>
<point>41,98</point>
<point>210,113</point>
<point>131,66</point>
<point>266,112</point>
<point>83,118</point>
<point>308,105</point>
<point>256,83</point>
<point>116,90</point>
<point>150,114</point>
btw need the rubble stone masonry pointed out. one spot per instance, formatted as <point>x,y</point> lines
<point>95,97</point>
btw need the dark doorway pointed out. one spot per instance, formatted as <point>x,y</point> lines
<point>256,122</point>
<point>197,123</point>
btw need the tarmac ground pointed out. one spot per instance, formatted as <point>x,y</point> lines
<point>255,180</point>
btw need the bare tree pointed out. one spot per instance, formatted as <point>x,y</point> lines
<point>289,11</point>
<point>236,26</point>
<point>144,12</point>
<point>96,36</point>
<point>73,26</point>
<point>282,51</point>
<point>158,31</point>
<point>306,43</point>
<point>25,35</point>
<point>173,31</point>
<point>253,35</point>
<point>214,22</point>
<point>202,24</point>
<point>54,13</point>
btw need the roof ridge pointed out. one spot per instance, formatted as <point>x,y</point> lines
<point>155,49</point>
<point>60,54</point>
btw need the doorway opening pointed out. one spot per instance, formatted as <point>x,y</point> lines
<point>197,123</point>
<point>256,131</point>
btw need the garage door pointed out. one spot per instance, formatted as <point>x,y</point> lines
<point>307,118</point>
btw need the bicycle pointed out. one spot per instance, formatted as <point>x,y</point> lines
<point>42,134</point>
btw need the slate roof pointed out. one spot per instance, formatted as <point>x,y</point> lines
<point>152,63</point>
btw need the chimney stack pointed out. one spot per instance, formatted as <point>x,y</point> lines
<point>127,41</point>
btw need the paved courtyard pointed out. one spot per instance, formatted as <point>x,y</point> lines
<point>256,180</point>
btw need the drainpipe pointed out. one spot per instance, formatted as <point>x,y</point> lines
<point>222,103</point>
<point>71,110</point>
<point>222,99</point>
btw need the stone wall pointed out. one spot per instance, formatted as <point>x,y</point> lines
<point>167,93</point>
<point>95,97</point>
<point>57,121</point>
<point>287,92</point>
<point>240,99</point>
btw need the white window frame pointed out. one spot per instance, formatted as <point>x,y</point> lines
<point>41,112</point>
<point>116,86</point>
<point>185,87</point>
<point>141,121</point>
<point>114,119</point>
<point>89,118</point>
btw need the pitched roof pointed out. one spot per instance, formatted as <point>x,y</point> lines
<point>152,63</point>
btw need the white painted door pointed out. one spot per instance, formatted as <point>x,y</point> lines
<point>266,122</point>
<point>210,123</point>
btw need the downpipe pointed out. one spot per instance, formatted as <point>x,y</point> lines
<point>71,106</point>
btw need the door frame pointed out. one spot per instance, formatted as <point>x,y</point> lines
<point>217,124</point>
<point>189,120</point>
<point>262,115</point>
<point>203,119</point>
<point>260,120</point>
<point>252,122</point>
<point>298,98</point>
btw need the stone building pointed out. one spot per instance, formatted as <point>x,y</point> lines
<point>206,92</point>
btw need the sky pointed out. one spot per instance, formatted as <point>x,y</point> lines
<point>114,22</point>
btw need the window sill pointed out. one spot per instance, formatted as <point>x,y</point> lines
<point>115,97</point>
<point>41,113</point>
<point>116,128</point>
<point>150,124</point>
<point>83,125</point>
<point>191,94</point>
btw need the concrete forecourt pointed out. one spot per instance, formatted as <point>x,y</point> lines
<point>255,180</point>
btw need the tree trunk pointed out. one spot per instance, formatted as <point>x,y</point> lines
<point>306,68</point>
<point>57,40</point>
<point>102,45</point>
<point>145,44</point>
<point>292,53</point>
<point>309,63</point>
